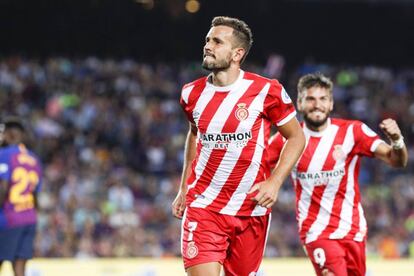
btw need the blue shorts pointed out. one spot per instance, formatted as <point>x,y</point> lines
<point>17,243</point>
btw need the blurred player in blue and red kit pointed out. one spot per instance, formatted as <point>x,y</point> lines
<point>20,181</point>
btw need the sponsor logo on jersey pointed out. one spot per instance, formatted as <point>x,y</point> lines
<point>321,178</point>
<point>242,113</point>
<point>224,140</point>
<point>192,250</point>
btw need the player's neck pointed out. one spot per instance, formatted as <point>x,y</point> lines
<point>317,128</point>
<point>224,77</point>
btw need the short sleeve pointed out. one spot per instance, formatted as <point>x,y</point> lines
<point>278,107</point>
<point>184,101</point>
<point>366,140</point>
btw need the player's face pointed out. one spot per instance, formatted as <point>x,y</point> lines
<point>218,49</point>
<point>316,104</point>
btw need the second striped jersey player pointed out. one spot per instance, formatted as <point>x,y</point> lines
<point>330,216</point>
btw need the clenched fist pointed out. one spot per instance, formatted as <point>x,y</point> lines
<point>390,129</point>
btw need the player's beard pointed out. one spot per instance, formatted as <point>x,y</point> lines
<point>217,65</point>
<point>315,124</point>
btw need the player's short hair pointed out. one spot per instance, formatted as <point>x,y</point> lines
<point>13,123</point>
<point>241,31</point>
<point>314,80</point>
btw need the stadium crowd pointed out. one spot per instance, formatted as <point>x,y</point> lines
<point>111,133</point>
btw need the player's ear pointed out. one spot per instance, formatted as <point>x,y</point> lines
<point>299,103</point>
<point>238,54</point>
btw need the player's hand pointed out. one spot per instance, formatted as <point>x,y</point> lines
<point>178,205</point>
<point>267,193</point>
<point>390,129</point>
<point>326,272</point>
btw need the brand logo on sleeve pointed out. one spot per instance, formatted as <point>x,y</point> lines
<point>369,132</point>
<point>285,97</point>
<point>196,115</point>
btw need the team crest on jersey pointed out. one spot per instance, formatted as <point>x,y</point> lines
<point>338,153</point>
<point>242,113</point>
<point>192,250</point>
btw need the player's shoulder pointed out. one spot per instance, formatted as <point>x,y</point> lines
<point>359,128</point>
<point>33,154</point>
<point>275,87</point>
<point>196,83</point>
<point>7,150</point>
<point>345,122</point>
<point>260,78</point>
<point>188,88</point>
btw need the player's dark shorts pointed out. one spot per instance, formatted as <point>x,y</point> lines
<point>17,242</point>
<point>341,257</point>
<point>236,242</point>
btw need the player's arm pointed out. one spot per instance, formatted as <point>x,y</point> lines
<point>291,151</point>
<point>178,204</point>
<point>3,191</point>
<point>396,154</point>
<point>294,145</point>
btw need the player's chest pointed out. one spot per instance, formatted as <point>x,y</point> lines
<point>319,156</point>
<point>228,114</point>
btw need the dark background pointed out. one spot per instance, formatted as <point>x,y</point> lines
<point>351,32</point>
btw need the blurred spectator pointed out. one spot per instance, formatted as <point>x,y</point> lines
<point>111,136</point>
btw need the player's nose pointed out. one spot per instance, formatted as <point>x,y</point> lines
<point>318,104</point>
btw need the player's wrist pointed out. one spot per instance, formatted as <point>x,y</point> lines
<point>398,144</point>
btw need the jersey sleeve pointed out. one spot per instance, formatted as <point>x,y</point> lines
<point>274,148</point>
<point>278,105</point>
<point>184,101</point>
<point>366,140</point>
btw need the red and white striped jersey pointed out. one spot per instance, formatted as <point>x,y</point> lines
<point>233,125</point>
<point>326,179</point>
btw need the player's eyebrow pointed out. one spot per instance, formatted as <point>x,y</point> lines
<point>215,39</point>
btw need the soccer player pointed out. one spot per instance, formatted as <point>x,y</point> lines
<point>330,218</point>
<point>20,178</point>
<point>227,189</point>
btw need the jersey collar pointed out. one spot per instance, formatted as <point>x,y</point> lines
<point>228,87</point>
<point>310,132</point>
